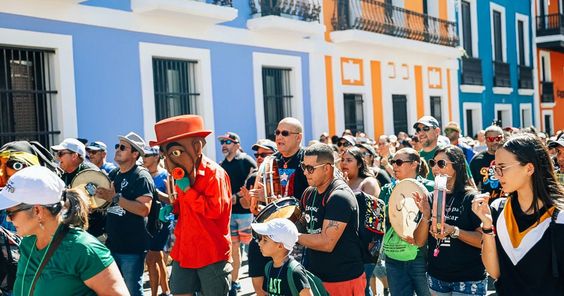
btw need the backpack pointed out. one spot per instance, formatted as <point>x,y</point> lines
<point>371,225</point>
<point>315,283</point>
<point>154,224</point>
<point>9,256</point>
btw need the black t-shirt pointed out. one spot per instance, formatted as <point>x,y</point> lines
<point>345,262</point>
<point>238,170</point>
<point>532,275</point>
<point>276,282</point>
<point>127,232</point>
<point>292,177</point>
<point>457,261</point>
<point>483,173</point>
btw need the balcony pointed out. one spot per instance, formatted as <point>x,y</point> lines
<point>196,12</point>
<point>502,77</point>
<point>550,29</point>
<point>298,17</point>
<point>374,16</point>
<point>547,92</point>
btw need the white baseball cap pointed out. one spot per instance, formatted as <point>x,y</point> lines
<point>34,185</point>
<point>280,230</point>
<point>73,145</point>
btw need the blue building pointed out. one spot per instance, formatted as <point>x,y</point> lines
<point>97,69</point>
<point>497,81</point>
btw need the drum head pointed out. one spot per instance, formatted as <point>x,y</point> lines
<point>402,209</point>
<point>287,207</point>
<point>87,181</point>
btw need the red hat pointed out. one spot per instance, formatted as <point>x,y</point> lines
<point>179,127</point>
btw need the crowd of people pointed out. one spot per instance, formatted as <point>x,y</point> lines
<point>501,213</point>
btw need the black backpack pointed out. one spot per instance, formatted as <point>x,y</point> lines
<point>154,224</point>
<point>9,256</point>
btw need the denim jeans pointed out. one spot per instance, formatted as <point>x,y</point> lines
<point>442,288</point>
<point>407,277</point>
<point>131,268</point>
<point>369,271</point>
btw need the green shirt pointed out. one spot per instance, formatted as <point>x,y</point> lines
<point>427,156</point>
<point>79,257</point>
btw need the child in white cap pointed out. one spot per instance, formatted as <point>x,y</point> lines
<point>277,239</point>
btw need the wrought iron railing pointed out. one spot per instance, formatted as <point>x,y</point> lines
<point>525,77</point>
<point>305,10</point>
<point>472,71</point>
<point>228,3</point>
<point>502,77</point>
<point>550,24</point>
<point>547,92</point>
<point>379,17</point>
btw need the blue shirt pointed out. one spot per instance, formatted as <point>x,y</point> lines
<point>108,167</point>
<point>160,180</point>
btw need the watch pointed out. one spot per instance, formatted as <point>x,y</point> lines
<point>115,199</point>
<point>455,233</point>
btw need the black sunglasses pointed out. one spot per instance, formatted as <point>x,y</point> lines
<point>310,168</point>
<point>61,153</point>
<point>344,143</point>
<point>11,213</point>
<point>399,162</point>
<point>425,129</point>
<point>284,133</point>
<point>441,163</point>
<point>227,142</point>
<point>263,155</point>
<point>121,147</point>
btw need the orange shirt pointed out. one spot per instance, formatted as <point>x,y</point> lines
<point>202,232</point>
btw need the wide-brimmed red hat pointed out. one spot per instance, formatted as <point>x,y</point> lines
<point>179,127</point>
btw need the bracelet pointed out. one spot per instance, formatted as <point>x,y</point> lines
<point>488,231</point>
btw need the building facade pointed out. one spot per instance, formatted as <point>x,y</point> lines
<point>497,81</point>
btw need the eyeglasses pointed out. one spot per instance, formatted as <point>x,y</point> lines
<point>227,142</point>
<point>92,151</point>
<point>344,143</point>
<point>263,155</point>
<point>494,139</point>
<point>425,129</point>
<point>399,162</point>
<point>310,168</point>
<point>284,133</point>
<point>12,213</point>
<point>121,147</point>
<point>441,163</point>
<point>62,153</point>
<point>499,169</point>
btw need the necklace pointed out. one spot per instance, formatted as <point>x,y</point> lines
<point>40,262</point>
<point>285,165</point>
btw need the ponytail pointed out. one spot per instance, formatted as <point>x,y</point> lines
<point>423,168</point>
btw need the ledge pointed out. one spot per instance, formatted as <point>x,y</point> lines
<point>378,39</point>
<point>502,90</point>
<point>547,105</point>
<point>526,92</point>
<point>192,10</point>
<point>280,24</point>
<point>475,89</point>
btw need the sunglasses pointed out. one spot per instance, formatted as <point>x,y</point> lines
<point>121,147</point>
<point>399,162</point>
<point>499,169</point>
<point>441,163</point>
<point>263,155</point>
<point>366,154</point>
<point>62,153</point>
<point>494,139</point>
<point>12,213</point>
<point>227,142</point>
<point>92,151</point>
<point>310,168</point>
<point>344,143</point>
<point>284,133</point>
<point>425,129</point>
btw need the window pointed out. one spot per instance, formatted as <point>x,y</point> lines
<point>521,42</point>
<point>399,103</point>
<point>470,131</point>
<point>526,115</point>
<point>548,124</point>
<point>503,115</point>
<point>472,120</point>
<point>498,48</point>
<point>354,113</point>
<point>175,87</point>
<point>277,97</point>
<point>26,96</point>
<point>436,110</point>
<point>467,28</point>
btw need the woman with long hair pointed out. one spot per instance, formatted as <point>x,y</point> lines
<point>357,173</point>
<point>454,260</point>
<point>523,235</point>
<point>57,256</point>
<point>406,263</point>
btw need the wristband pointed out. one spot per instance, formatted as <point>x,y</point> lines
<point>488,231</point>
<point>115,199</point>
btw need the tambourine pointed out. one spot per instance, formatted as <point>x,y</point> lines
<point>87,181</point>
<point>402,209</point>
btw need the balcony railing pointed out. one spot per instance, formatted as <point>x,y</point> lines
<point>550,24</point>
<point>472,71</point>
<point>378,17</point>
<point>547,92</point>
<point>305,10</point>
<point>525,77</point>
<point>502,77</point>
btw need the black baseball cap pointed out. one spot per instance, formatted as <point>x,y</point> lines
<point>230,136</point>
